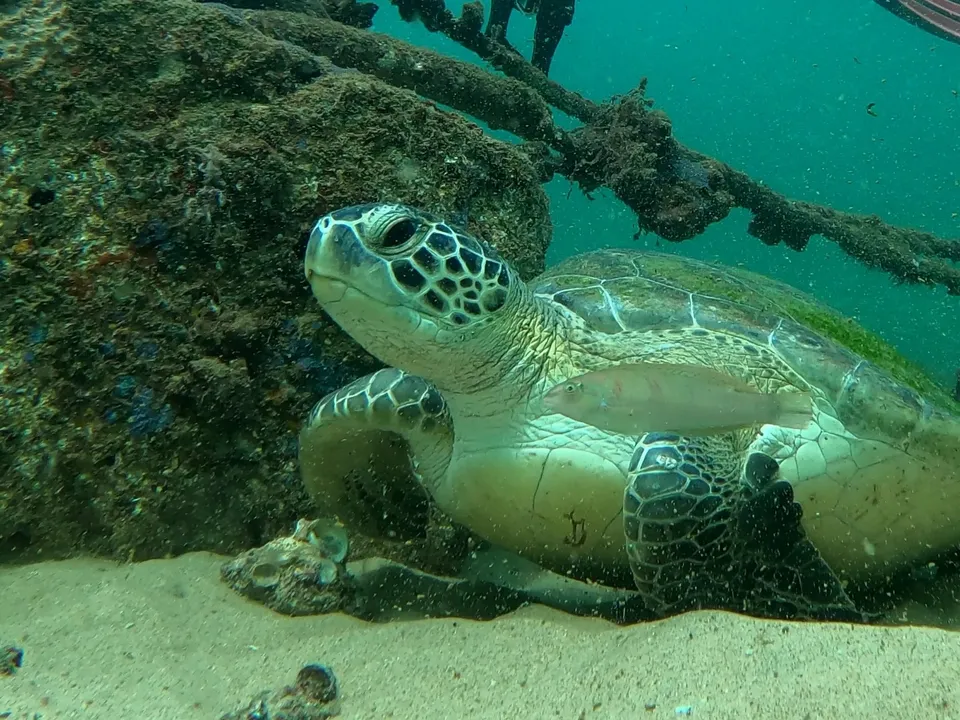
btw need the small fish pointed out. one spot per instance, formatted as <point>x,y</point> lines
<point>637,398</point>
<point>870,110</point>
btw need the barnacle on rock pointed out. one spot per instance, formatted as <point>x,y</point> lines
<point>301,574</point>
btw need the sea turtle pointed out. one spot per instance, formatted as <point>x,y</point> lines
<point>767,520</point>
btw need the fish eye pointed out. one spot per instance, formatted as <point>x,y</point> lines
<point>571,387</point>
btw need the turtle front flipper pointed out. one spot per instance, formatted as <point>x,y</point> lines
<point>370,450</point>
<point>705,531</point>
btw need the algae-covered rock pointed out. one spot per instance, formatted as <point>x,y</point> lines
<point>162,163</point>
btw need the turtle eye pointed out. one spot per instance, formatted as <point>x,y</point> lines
<point>398,234</point>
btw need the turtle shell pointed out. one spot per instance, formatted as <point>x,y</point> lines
<point>876,392</point>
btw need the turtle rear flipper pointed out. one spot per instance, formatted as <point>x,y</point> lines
<point>703,533</point>
<point>783,573</point>
<point>368,449</point>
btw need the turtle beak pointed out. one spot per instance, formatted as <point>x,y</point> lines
<point>337,263</point>
<point>354,287</point>
<point>313,250</point>
<point>325,254</point>
<point>333,253</point>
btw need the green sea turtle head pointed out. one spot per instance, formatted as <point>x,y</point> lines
<point>417,293</point>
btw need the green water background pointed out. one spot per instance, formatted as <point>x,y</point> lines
<point>779,91</point>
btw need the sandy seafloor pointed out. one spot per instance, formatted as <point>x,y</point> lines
<point>166,639</point>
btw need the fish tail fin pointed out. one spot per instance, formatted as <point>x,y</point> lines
<point>795,410</point>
